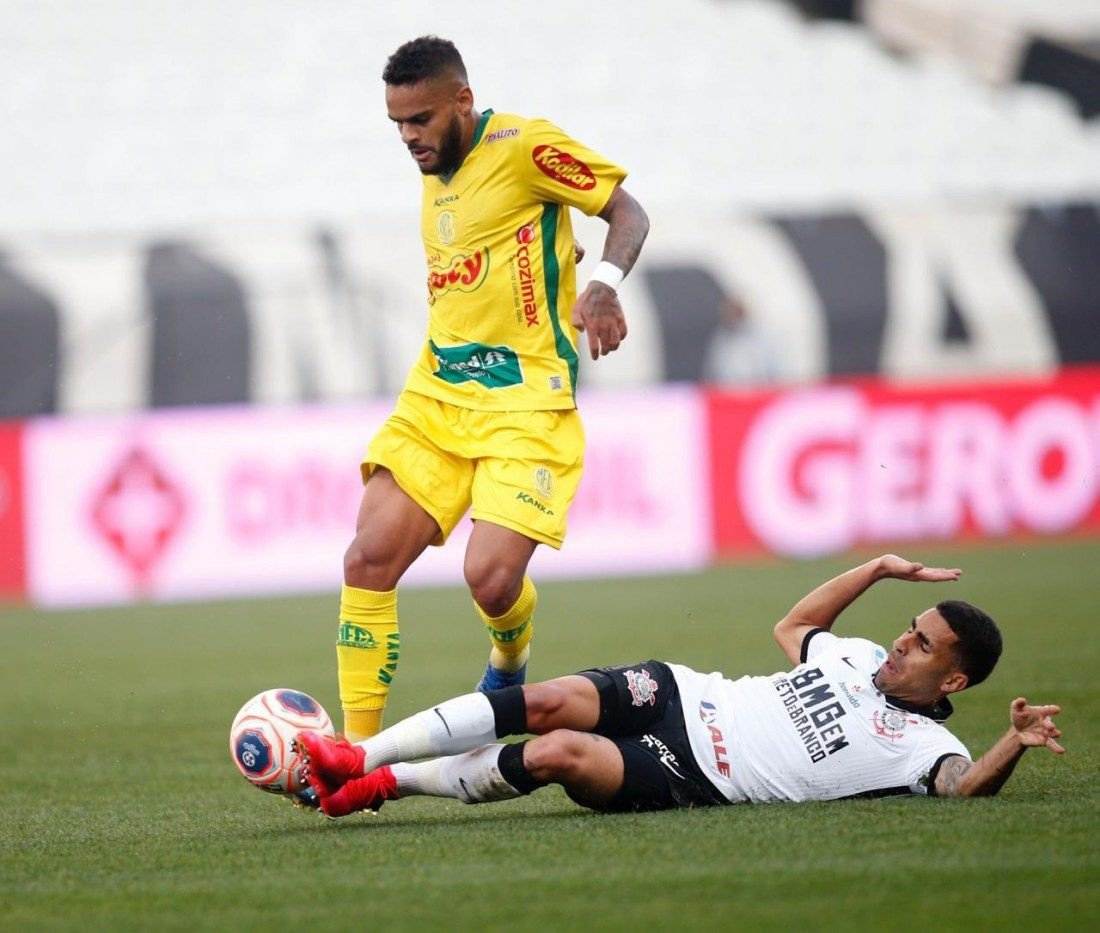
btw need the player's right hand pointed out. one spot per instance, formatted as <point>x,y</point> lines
<point>1034,725</point>
<point>599,314</point>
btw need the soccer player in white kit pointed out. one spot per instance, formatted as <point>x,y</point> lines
<point>851,719</point>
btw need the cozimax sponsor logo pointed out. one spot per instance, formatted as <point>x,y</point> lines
<point>708,713</point>
<point>464,274</point>
<point>564,168</point>
<point>818,471</point>
<point>525,278</point>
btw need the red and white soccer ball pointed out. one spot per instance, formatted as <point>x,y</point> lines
<point>261,736</point>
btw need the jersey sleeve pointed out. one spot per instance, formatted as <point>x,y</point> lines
<point>928,755</point>
<point>817,641</point>
<point>560,169</point>
<point>859,653</point>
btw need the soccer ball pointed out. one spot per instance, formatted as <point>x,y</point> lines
<point>261,736</point>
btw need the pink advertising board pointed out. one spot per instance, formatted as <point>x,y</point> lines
<point>201,503</point>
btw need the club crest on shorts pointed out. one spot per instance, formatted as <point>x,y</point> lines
<point>544,482</point>
<point>643,688</point>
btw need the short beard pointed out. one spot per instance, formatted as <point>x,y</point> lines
<point>450,151</point>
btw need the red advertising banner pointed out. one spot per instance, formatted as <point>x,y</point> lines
<point>813,471</point>
<point>12,553</point>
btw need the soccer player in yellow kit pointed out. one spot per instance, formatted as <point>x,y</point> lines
<point>487,418</point>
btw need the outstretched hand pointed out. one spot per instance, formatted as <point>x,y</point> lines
<point>599,314</point>
<point>1034,725</point>
<point>898,568</point>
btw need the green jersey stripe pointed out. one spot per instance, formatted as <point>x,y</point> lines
<point>551,274</point>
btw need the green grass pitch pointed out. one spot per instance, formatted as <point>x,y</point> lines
<point>122,809</point>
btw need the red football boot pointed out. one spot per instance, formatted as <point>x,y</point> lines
<point>330,761</point>
<point>363,793</point>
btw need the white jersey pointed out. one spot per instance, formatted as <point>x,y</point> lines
<point>820,732</point>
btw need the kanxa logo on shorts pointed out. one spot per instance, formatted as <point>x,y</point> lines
<point>643,688</point>
<point>528,499</point>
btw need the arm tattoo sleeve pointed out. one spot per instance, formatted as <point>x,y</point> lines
<point>950,775</point>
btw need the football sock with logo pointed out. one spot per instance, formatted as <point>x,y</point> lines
<point>510,634</point>
<point>367,649</point>
<point>475,777</point>
<point>453,726</point>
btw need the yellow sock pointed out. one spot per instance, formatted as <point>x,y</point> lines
<point>367,648</point>
<point>510,634</point>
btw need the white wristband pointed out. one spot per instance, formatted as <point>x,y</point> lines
<point>608,273</point>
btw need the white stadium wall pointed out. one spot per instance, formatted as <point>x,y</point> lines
<point>283,314</point>
<point>211,284</point>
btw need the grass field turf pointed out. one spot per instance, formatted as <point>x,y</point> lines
<point>123,811</point>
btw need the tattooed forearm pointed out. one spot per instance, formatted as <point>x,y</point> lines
<point>983,778</point>
<point>628,226</point>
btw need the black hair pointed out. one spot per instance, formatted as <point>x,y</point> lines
<point>979,644</point>
<point>423,58</point>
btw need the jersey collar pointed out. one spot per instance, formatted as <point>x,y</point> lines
<point>937,712</point>
<point>479,131</point>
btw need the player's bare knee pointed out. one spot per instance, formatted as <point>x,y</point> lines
<point>369,566</point>
<point>557,756</point>
<point>493,586</point>
<point>544,703</point>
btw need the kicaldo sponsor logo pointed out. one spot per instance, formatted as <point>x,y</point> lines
<point>464,274</point>
<point>564,168</point>
<point>525,235</point>
<point>826,469</point>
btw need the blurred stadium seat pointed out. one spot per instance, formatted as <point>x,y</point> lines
<point>154,142</point>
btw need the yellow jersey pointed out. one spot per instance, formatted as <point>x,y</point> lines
<point>501,268</point>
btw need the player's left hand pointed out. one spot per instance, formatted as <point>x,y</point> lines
<point>578,251</point>
<point>599,314</point>
<point>898,568</point>
<point>1034,725</point>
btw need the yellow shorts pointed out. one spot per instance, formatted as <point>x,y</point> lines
<point>519,469</point>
